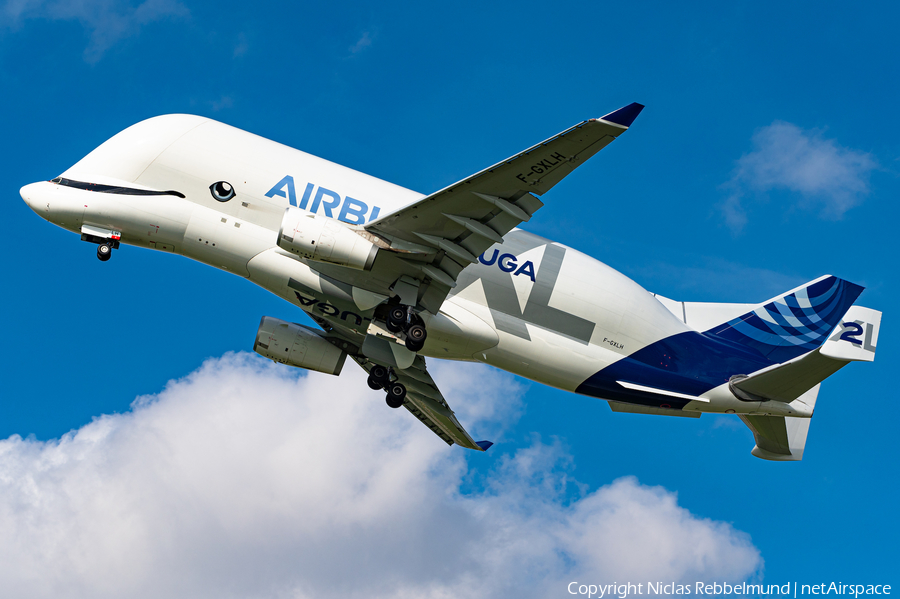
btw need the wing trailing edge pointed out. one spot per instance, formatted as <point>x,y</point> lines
<point>425,401</point>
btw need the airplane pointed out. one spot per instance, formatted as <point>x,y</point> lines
<point>394,278</point>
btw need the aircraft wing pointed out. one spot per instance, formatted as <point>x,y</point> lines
<point>438,236</point>
<point>425,402</point>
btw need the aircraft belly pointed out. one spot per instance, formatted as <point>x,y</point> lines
<point>287,277</point>
<point>561,316</point>
<point>223,241</point>
<point>548,358</point>
<point>456,333</point>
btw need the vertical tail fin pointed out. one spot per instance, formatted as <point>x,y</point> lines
<point>857,336</point>
<point>793,323</point>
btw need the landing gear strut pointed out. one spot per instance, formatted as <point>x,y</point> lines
<point>404,319</point>
<point>105,244</point>
<point>380,378</point>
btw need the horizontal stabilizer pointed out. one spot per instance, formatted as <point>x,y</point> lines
<point>617,406</point>
<point>781,438</point>
<point>778,438</point>
<point>786,382</point>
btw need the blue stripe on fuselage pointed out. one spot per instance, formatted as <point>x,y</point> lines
<point>690,363</point>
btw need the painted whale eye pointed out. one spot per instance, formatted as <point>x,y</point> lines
<point>222,191</point>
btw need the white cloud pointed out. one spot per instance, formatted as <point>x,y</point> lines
<point>825,174</point>
<point>732,209</point>
<point>222,103</point>
<point>361,44</point>
<point>241,48</point>
<point>246,480</point>
<point>106,21</point>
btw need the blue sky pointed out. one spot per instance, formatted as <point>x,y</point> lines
<point>767,155</point>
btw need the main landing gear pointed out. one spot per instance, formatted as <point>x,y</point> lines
<point>380,378</point>
<point>404,319</point>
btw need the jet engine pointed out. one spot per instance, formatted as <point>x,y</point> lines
<point>325,240</point>
<point>297,345</point>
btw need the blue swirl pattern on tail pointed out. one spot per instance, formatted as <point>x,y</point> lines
<point>792,324</point>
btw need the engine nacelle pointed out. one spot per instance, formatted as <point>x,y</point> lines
<point>324,239</point>
<point>297,345</point>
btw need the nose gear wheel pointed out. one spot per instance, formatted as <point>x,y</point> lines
<point>104,252</point>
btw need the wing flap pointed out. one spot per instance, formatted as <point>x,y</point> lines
<point>425,419</point>
<point>441,417</point>
<point>425,402</point>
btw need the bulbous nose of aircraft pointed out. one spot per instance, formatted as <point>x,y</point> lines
<point>29,194</point>
<point>57,204</point>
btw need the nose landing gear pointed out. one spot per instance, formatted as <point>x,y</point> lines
<point>107,240</point>
<point>104,251</point>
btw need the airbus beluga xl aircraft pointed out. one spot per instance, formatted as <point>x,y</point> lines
<point>395,278</point>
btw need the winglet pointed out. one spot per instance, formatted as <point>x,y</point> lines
<point>484,445</point>
<point>625,115</point>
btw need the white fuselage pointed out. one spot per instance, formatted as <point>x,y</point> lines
<point>529,306</point>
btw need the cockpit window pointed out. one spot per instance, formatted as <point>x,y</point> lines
<point>114,189</point>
